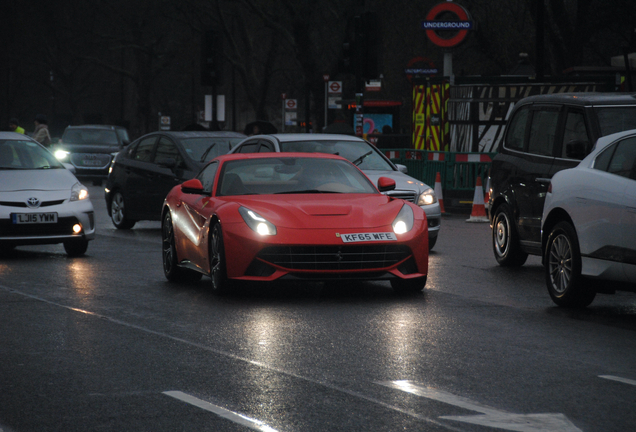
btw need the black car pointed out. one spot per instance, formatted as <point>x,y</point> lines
<point>89,148</point>
<point>145,171</point>
<point>545,134</point>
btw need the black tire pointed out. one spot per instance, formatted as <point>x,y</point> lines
<point>76,247</point>
<point>505,239</point>
<point>563,278</point>
<point>408,286</point>
<point>171,269</point>
<point>118,212</point>
<point>218,270</point>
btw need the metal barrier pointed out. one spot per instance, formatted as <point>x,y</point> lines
<point>458,171</point>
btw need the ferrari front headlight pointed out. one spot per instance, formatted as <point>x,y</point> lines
<point>427,197</point>
<point>257,222</point>
<point>404,220</point>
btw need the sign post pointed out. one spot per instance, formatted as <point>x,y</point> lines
<point>282,116</point>
<point>325,77</point>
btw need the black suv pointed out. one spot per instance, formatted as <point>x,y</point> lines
<point>90,149</point>
<point>545,134</point>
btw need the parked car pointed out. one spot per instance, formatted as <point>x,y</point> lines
<point>143,174</point>
<point>363,154</point>
<point>267,217</point>
<point>589,224</point>
<point>89,148</point>
<point>545,134</point>
<point>41,201</point>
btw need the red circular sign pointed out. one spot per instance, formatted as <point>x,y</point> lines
<point>335,87</point>
<point>291,103</point>
<point>455,9</point>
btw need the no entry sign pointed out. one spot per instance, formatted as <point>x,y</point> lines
<point>459,25</point>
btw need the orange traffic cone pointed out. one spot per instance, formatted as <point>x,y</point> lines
<point>479,211</point>
<point>438,192</point>
<point>487,195</point>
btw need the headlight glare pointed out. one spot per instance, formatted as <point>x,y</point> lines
<point>427,197</point>
<point>257,222</point>
<point>79,192</point>
<point>404,220</point>
<point>61,155</point>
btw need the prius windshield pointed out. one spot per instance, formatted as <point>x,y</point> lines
<point>291,175</point>
<point>25,155</point>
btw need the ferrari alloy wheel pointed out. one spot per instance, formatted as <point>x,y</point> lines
<point>171,269</point>
<point>505,240</point>
<point>118,212</point>
<point>563,269</point>
<point>76,247</point>
<point>408,286</point>
<point>218,270</point>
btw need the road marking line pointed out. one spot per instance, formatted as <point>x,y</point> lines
<point>619,379</point>
<point>243,359</point>
<point>490,417</point>
<point>221,412</point>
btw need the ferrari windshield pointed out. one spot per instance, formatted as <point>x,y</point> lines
<point>291,175</point>
<point>361,153</point>
<point>25,155</point>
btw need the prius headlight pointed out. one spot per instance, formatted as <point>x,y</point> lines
<point>404,220</point>
<point>79,192</point>
<point>427,197</point>
<point>257,222</point>
<point>61,155</point>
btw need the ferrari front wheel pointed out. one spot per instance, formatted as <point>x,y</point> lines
<point>218,269</point>
<point>171,269</point>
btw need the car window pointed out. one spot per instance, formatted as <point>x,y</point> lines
<point>616,119</point>
<point>168,149</point>
<point>206,176</point>
<point>603,159</point>
<point>123,135</point>
<point>516,134</point>
<point>543,132</point>
<point>249,147</point>
<point>361,153</point>
<point>25,155</point>
<point>90,136</point>
<point>207,148</point>
<point>622,161</point>
<point>143,151</point>
<point>576,142</point>
<point>266,147</point>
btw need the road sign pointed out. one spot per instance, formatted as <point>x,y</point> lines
<point>325,77</point>
<point>291,104</point>
<point>335,87</point>
<point>461,25</point>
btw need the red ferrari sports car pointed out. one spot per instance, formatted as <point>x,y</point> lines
<point>273,216</point>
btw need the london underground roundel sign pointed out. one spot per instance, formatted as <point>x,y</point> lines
<point>460,25</point>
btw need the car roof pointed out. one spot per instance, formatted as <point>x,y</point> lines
<point>310,137</point>
<point>15,136</point>
<point>582,98</point>
<point>202,134</point>
<point>95,126</point>
<point>237,156</point>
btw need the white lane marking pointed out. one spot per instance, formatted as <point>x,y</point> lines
<point>245,360</point>
<point>221,412</point>
<point>619,379</point>
<point>491,417</point>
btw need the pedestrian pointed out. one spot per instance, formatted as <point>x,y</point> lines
<point>13,126</point>
<point>41,133</point>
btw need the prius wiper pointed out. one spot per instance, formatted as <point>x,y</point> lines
<point>306,191</point>
<point>205,153</point>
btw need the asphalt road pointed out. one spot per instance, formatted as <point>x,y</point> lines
<point>105,343</point>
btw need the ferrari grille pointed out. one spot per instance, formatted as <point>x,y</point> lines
<point>64,226</point>
<point>406,195</point>
<point>345,257</point>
